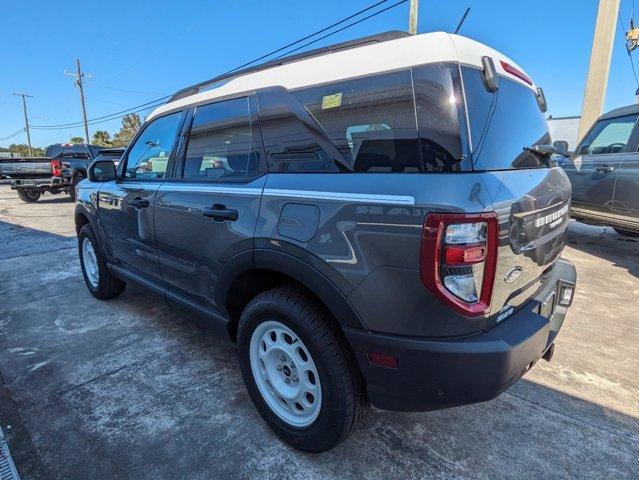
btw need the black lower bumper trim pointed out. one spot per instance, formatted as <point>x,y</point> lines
<point>441,373</point>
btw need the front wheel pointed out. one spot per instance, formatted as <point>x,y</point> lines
<point>99,280</point>
<point>29,195</point>
<point>298,370</point>
<point>626,233</point>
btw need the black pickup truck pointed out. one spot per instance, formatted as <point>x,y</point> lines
<point>59,171</point>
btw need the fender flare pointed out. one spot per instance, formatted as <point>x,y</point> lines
<point>291,266</point>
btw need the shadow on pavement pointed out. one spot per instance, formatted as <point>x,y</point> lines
<point>604,242</point>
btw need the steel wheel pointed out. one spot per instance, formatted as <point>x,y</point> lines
<point>285,374</point>
<point>90,262</point>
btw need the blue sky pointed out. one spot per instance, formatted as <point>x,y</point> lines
<point>139,50</point>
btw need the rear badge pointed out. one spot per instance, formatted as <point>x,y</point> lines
<point>513,274</point>
<point>505,312</point>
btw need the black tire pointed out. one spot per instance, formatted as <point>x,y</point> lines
<point>344,401</point>
<point>626,233</point>
<point>108,285</point>
<point>77,178</point>
<point>29,195</point>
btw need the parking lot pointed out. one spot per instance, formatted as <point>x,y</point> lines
<point>131,389</point>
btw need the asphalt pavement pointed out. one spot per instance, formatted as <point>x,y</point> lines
<point>129,388</point>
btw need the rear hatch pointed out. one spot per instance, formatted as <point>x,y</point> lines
<point>531,199</point>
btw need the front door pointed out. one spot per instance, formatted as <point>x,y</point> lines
<point>126,205</point>
<point>208,214</point>
<point>593,172</point>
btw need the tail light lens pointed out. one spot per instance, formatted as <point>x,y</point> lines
<point>459,258</point>
<point>56,168</point>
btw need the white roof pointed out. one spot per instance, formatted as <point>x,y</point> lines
<point>356,62</point>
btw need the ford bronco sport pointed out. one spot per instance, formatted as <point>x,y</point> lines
<point>377,221</point>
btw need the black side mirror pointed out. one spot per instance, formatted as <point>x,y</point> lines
<point>561,146</point>
<point>102,171</point>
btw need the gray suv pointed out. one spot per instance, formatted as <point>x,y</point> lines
<point>604,172</point>
<point>374,222</point>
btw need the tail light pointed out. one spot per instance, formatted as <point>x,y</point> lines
<point>56,168</point>
<point>459,258</point>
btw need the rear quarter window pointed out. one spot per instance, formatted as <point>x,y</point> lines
<point>405,121</point>
<point>503,123</point>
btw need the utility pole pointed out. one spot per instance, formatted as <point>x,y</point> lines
<point>26,118</point>
<point>412,17</point>
<point>78,81</point>
<point>599,68</point>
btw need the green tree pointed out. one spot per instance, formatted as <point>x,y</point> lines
<point>22,150</point>
<point>77,140</point>
<point>131,123</point>
<point>102,138</point>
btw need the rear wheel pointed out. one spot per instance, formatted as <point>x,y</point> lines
<point>29,195</point>
<point>626,233</point>
<point>298,370</point>
<point>99,280</point>
<point>77,178</point>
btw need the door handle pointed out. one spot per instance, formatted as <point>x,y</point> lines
<point>220,213</point>
<point>605,169</point>
<point>138,202</point>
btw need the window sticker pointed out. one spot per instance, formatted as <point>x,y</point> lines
<point>331,101</point>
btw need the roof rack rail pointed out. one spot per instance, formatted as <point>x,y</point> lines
<point>359,42</point>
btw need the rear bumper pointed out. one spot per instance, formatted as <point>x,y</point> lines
<point>47,182</point>
<point>441,373</point>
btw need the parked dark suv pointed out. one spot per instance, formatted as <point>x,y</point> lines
<point>604,172</point>
<point>365,226</point>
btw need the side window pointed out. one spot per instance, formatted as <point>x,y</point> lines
<point>149,156</point>
<point>370,120</point>
<point>608,136</point>
<point>221,142</point>
<point>292,141</point>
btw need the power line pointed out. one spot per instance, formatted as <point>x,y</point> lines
<point>14,134</point>
<point>341,29</point>
<point>305,38</point>
<point>632,63</point>
<point>158,101</point>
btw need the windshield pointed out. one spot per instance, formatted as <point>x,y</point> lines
<point>503,123</point>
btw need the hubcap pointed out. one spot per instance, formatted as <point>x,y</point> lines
<point>90,262</point>
<point>285,374</point>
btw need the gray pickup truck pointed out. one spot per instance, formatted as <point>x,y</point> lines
<point>604,172</point>
<point>59,171</point>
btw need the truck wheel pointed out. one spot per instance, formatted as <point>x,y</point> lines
<point>99,280</point>
<point>626,233</point>
<point>298,370</point>
<point>29,195</point>
<point>77,178</point>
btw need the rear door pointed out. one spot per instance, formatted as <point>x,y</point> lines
<point>126,205</point>
<point>593,172</point>
<point>625,204</point>
<point>208,213</point>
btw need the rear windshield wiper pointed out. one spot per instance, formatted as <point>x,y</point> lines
<point>543,152</point>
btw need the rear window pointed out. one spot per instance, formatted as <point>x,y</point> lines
<point>503,123</point>
<point>367,124</point>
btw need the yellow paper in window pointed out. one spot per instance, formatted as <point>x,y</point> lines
<point>332,101</point>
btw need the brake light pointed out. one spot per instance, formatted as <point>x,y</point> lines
<point>515,72</point>
<point>56,168</point>
<point>459,258</point>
